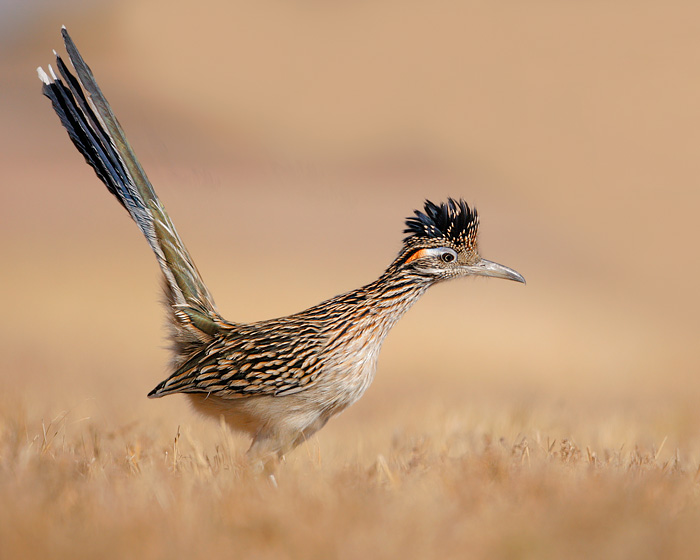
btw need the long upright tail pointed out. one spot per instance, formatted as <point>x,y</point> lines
<point>96,133</point>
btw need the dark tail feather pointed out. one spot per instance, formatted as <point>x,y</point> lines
<point>97,134</point>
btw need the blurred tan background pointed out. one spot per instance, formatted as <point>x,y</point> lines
<point>290,139</point>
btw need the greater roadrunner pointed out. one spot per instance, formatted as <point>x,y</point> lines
<point>278,380</point>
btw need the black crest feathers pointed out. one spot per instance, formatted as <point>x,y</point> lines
<point>453,222</point>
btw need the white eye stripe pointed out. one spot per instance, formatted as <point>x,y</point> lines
<point>443,253</point>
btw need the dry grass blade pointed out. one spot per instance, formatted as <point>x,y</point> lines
<point>421,499</point>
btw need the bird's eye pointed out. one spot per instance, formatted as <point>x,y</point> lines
<point>447,257</point>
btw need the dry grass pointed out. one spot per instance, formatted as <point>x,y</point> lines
<point>450,485</point>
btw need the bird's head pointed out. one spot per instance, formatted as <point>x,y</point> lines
<point>442,244</point>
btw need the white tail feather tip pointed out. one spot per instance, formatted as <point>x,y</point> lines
<point>42,76</point>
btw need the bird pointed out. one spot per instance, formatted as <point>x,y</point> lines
<point>280,380</point>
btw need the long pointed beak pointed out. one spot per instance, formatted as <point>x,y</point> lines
<point>495,270</point>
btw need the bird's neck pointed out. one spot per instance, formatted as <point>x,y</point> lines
<point>396,290</point>
<point>386,300</point>
<point>362,318</point>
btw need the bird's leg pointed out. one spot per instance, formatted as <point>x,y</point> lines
<point>267,452</point>
<point>269,447</point>
<point>309,431</point>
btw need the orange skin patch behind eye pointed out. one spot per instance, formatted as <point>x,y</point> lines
<point>417,255</point>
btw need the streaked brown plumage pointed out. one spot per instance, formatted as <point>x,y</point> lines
<point>278,380</point>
